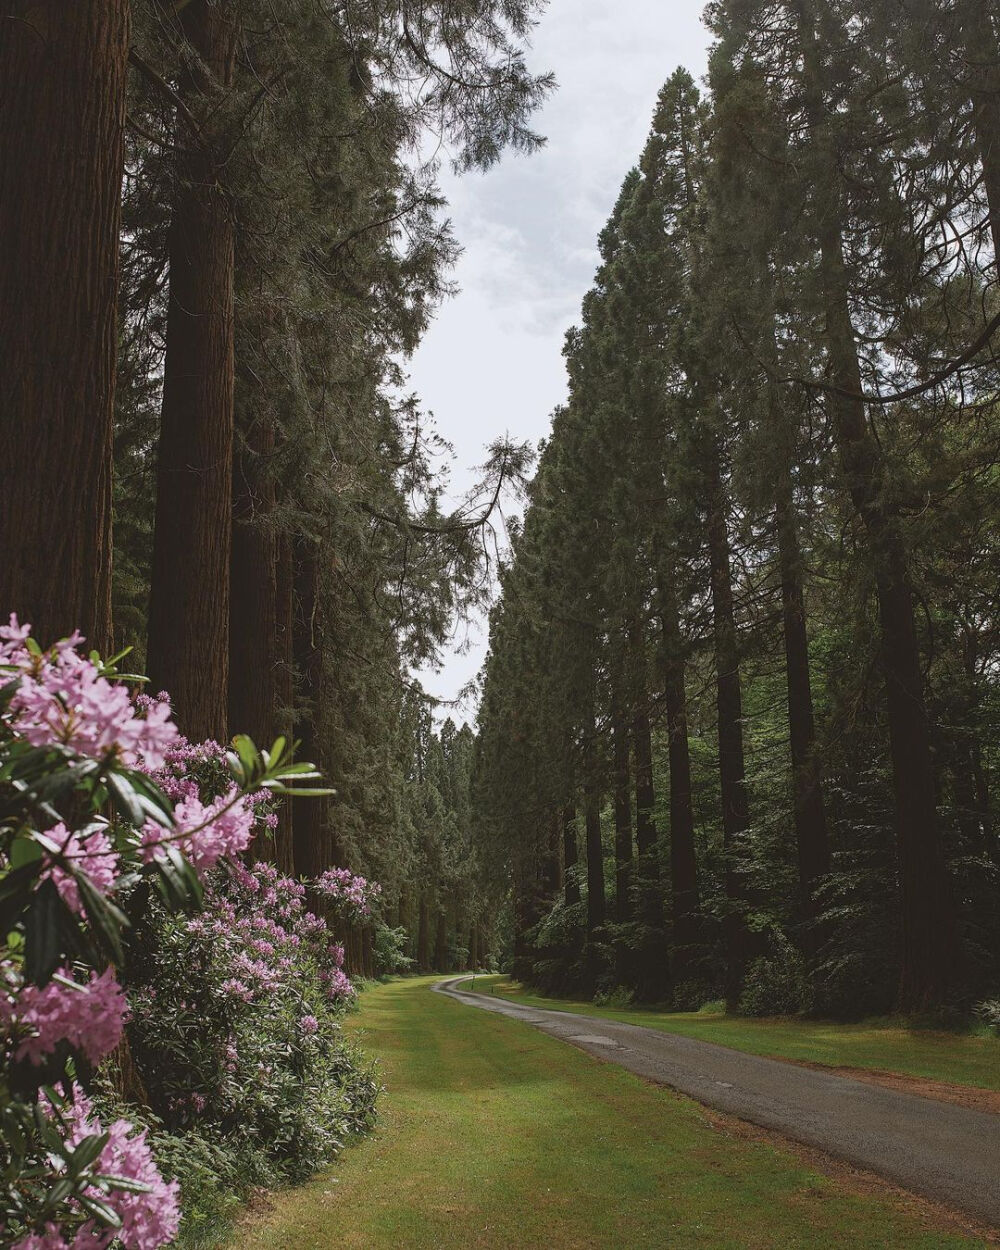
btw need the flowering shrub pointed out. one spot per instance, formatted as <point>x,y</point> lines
<point>351,896</point>
<point>85,831</point>
<point>235,1021</point>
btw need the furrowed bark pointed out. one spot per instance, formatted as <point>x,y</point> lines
<point>190,589</point>
<point>62,117</point>
<point>571,856</point>
<point>808,812</point>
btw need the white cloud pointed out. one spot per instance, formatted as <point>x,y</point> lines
<point>492,360</point>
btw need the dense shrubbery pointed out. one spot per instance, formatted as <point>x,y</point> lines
<point>118,856</point>
<point>777,984</point>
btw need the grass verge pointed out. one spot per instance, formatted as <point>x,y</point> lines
<point>878,1045</point>
<point>494,1135</point>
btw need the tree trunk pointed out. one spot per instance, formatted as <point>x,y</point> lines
<point>683,861</point>
<point>550,877</point>
<point>313,853</point>
<point>930,947</point>
<point>62,117</point>
<point>285,688</point>
<point>729,704</point>
<point>441,943</point>
<point>253,607</point>
<point>652,963</point>
<point>623,815</point>
<point>424,936</point>
<point>809,815</point>
<point>571,856</point>
<point>595,848</point>
<point>189,596</point>
<point>645,795</point>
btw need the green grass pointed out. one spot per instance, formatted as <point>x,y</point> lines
<point>883,1045</point>
<point>494,1135</point>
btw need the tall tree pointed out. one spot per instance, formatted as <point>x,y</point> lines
<point>62,116</point>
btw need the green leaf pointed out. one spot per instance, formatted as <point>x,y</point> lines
<point>25,851</point>
<point>100,1210</point>
<point>105,918</point>
<point>87,1152</point>
<point>42,930</point>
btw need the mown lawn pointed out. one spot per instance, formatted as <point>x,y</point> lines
<point>495,1135</point>
<point>883,1045</point>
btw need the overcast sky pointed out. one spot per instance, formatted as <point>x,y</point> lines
<point>492,361</point>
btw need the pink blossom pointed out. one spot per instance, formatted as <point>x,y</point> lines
<point>309,1024</point>
<point>89,1017</point>
<point>90,851</point>
<point>64,699</point>
<point>354,893</point>
<point>205,834</point>
<point>149,1219</point>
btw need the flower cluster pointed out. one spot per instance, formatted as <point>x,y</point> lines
<point>232,1010</point>
<point>59,999</point>
<point>205,833</point>
<point>63,699</point>
<point>353,895</point>
<point>86,850</point>
<point>147,1208</point>
<point>88,1016</point>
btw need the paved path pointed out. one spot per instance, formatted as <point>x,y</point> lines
<point>947,1153</point>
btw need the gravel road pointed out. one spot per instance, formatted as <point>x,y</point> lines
<point>948,1153</point>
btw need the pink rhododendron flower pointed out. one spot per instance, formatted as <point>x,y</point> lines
<point>309,1024</point>
<point>89,850</point>
<point>357,894</point>
<point>150,1219</point>
<point>64,699</point>
<point>205,834</point>
<point>88,1016</point>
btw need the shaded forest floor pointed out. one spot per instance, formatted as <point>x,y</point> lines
<point>494,1135</point>
<point>889,1050</point>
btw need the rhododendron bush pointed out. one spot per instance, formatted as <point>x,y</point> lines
<point>123,904</point>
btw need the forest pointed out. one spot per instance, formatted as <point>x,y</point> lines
<point>736,745</point>
<point>738,731</point>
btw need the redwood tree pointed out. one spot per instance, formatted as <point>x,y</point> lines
<point>188,650</point>
<point>62,115</point>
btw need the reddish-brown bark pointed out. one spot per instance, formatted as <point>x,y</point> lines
<point>62,115</point>
<point>188,652</point>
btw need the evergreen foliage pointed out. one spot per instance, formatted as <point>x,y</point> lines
<point>743,627</point>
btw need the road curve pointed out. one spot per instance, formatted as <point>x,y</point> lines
<point>947,1153</point>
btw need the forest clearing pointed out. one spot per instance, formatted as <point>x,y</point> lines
<point>499,623</point>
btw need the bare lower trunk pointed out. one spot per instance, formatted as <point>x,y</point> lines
<point>571,855</point>
<point>189,597</point>
<point>284,687</point>
<point>313,849</point>
<point>683,861</point>
<point>595,848</point>
<point>623,818</point>
<point>809,815</point>
<point>729,704</point>
<point>253,609</point>
<point>62,115</point>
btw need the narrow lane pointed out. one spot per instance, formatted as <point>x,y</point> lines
<point>948,1153</point>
